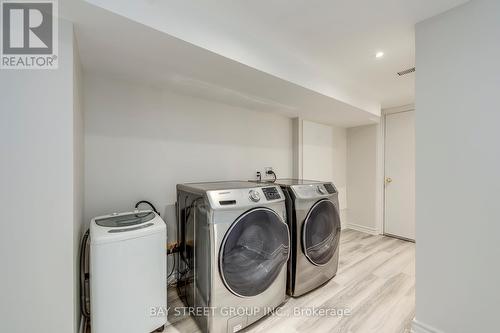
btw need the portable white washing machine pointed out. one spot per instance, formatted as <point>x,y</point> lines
<point>128,275</point>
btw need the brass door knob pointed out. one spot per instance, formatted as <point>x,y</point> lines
<point>388,179</point>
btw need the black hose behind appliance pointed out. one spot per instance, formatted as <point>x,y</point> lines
<point>147,203</point>
<point>84,282</point>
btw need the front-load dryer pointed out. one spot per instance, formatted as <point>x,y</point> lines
<point>314,222</point>
<point>234,246</point>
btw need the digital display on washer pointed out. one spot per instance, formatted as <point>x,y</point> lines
<point>329,187</point>
<point>271,193</point>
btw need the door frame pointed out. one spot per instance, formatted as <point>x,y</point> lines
<point>381,165</point>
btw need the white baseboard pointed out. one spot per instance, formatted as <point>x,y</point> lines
<point>418,327</point>
<point>362,228</point>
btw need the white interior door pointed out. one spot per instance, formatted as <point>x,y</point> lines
<point>400,174</point>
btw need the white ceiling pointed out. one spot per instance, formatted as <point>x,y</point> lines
<point>110,44</point>
<point>289,57</point>
<point>327,46</point>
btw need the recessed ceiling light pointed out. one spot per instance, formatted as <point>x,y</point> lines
<point>379,54</point>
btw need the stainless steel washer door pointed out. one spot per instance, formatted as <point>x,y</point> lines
<point>253,251</point>
<point>321,232</point>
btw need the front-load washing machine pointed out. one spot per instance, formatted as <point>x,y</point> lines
<point>234,246</point>
<point>314,223</point>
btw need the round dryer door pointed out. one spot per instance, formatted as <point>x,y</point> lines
<point>321,231</point>
<point>253,252</point>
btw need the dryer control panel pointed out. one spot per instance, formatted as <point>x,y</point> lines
<point>312,191</point>
<point>329,188</point>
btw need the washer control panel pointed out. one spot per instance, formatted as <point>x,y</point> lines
<point>271,193</point>
<point>235,198</point>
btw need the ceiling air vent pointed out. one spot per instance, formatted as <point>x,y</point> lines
<point>407,71</point>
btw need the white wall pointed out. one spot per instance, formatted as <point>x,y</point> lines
<point>297,149</point>
<point>141,141</point>
<point>363,176</point>
<point>458,163</point>
<point>39,196</point>
<point>324,154</point>
<point>79,224</point>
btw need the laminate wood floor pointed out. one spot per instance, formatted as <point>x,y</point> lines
<point>375,281</point>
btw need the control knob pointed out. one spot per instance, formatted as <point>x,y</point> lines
<point>321,190</point>
<point>254,195</point>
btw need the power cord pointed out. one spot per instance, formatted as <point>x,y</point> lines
<point>173,267</point>
<point>271,172</point>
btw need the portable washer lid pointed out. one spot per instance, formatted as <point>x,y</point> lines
<point>125,220</point>
<point>123,226</point>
